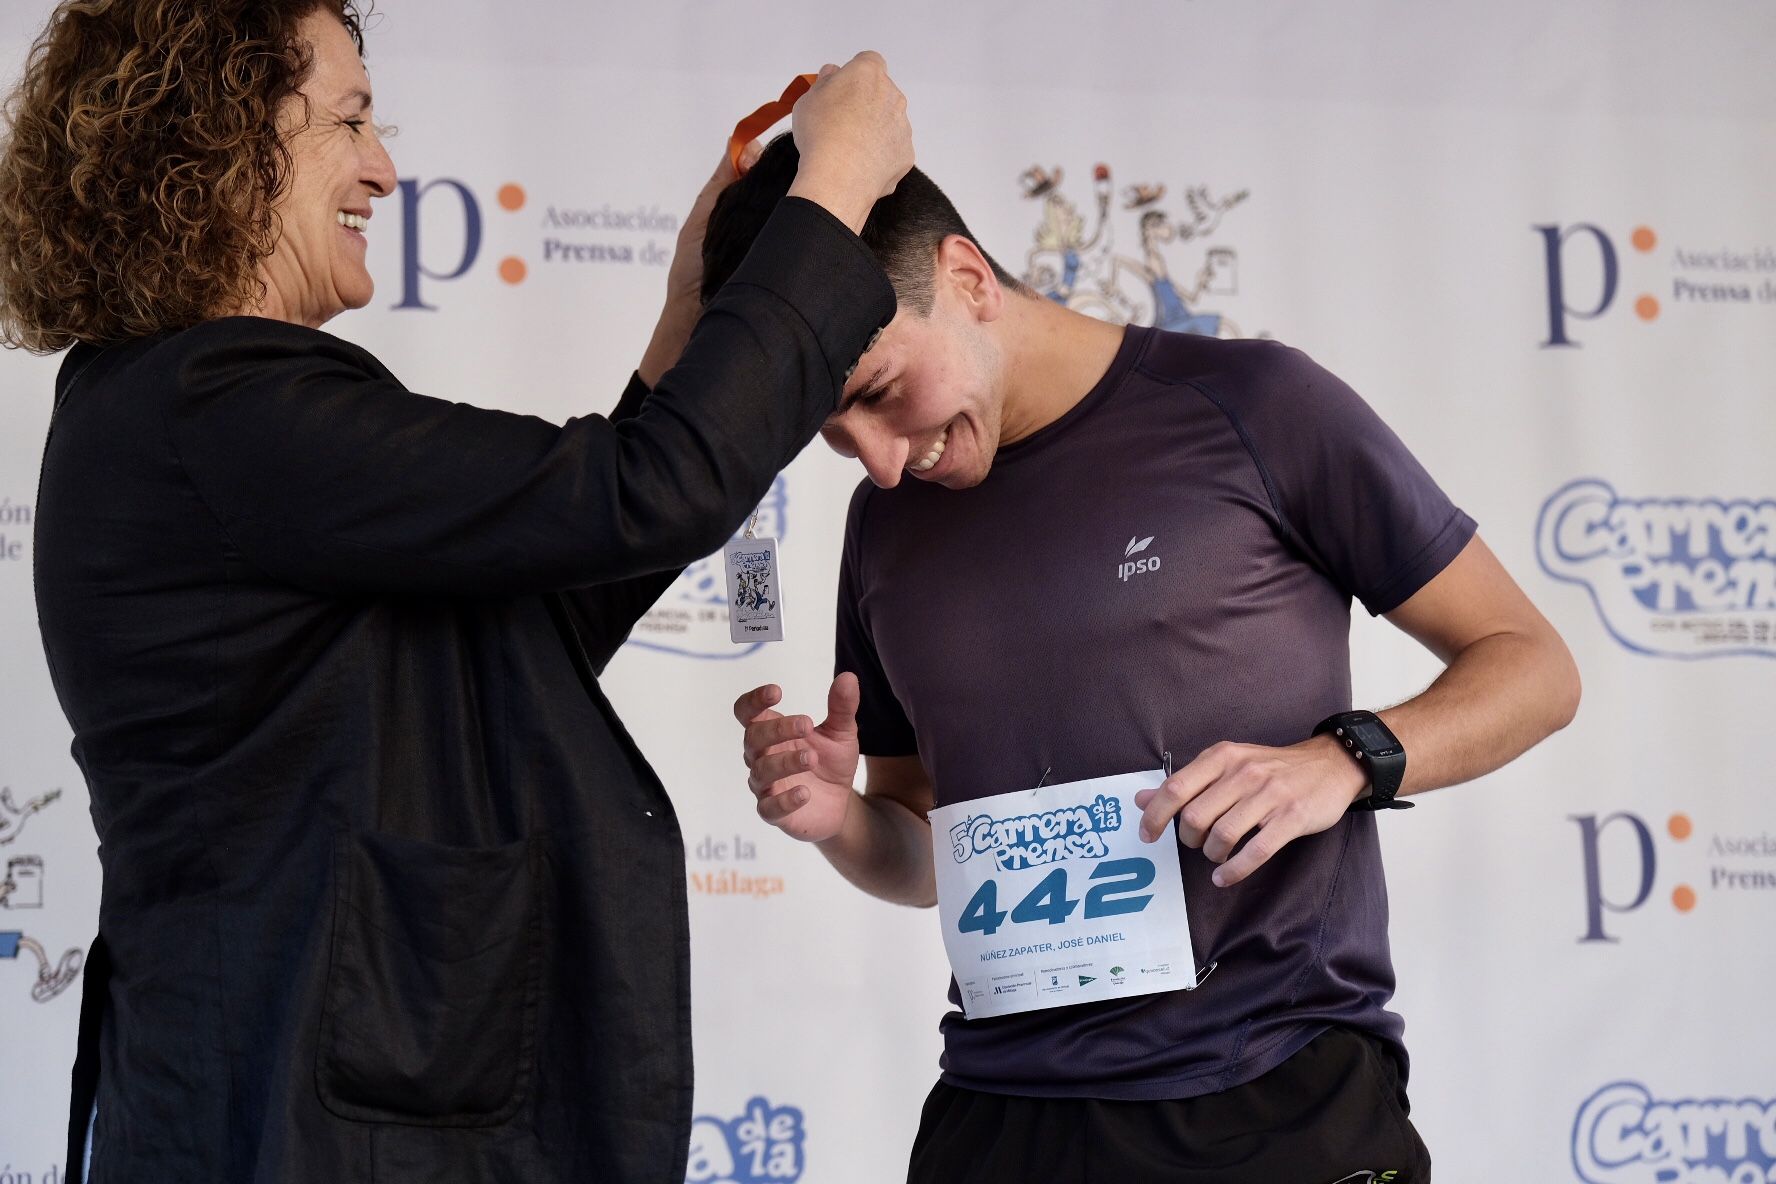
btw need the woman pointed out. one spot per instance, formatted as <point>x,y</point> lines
<point>388,891</point>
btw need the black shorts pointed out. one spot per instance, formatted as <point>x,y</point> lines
<point>1334,1113</point>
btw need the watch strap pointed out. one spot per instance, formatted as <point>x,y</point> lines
<point>1385,773</point>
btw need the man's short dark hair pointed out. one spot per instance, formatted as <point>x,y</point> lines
<point>904,229</point>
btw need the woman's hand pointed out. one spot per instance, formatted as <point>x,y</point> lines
<point>684,278</point>
<point>855,142</point>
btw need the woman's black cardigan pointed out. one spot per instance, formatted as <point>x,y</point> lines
<point>389,892</point>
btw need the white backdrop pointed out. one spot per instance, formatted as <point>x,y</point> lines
<point>1540,239</point>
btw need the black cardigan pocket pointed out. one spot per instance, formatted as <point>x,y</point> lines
<point>430,1012</point>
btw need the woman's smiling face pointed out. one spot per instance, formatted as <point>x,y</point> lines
<point>338,166</point>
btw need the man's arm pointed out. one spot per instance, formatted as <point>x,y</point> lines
<point>884,844</point>
<point>802,776</point>
<point>1509,683</point>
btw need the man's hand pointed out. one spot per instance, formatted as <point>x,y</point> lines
<point>852,133</point>
<point>1229,791</point>
<point>802,774</point>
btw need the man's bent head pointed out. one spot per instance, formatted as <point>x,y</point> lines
<point>928,397</point>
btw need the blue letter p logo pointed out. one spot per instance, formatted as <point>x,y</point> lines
<point>1554,241</point>
<point>1596,904</point>
<point>412,266</point>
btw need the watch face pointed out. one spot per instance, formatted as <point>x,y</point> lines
<point>1373,737</point>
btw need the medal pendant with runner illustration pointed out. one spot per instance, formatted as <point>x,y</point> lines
<point>755,597</point>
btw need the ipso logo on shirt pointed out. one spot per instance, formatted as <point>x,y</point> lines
<point>1671,577</point>
<point>1130,566</point>
<point>1624,1135</point>
<point>762,1146</point>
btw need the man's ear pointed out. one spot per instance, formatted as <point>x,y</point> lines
<point>965,272</point>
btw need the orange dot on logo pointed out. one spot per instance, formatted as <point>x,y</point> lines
<point>1679,826</point>
<point>511,197</point>
<point>1683,898</point>
<point>1647,308</point>
<point>512,269</point>
<point>1644,239</point>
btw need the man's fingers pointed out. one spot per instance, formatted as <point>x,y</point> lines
<point>749,751</point>
<point>748,706</point>
<point>777,807</point>
<point>842,699</point>
<point>1179,790</point>
<point>1236,784</point>
<point>1267,842</point>
<point>772,730</point>
<point>768,770</point>
<point>1221,836</point>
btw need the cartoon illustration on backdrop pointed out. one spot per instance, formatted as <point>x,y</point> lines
<point>23,886</point>
<point>13,816</point>
<point>22,889</point>
<point>1085,273</point>
<point>52,978</point>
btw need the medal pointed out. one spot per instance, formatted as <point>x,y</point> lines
<point>755,598</point>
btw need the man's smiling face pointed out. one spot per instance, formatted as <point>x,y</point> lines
<point>928,400</point>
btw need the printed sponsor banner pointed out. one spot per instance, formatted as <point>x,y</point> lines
<point>1559,293</point>
<point>1625,1134</point>
<point>1672,577</point>
<point>761,1145</point>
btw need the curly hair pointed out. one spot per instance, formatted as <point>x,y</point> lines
<point>141,163</point>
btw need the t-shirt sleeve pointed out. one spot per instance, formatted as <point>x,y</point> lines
<point>882,725</point>
<point>1345,489</point>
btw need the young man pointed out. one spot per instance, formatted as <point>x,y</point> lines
<point>998,630</point>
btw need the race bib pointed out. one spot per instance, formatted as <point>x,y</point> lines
<point>1049,897</point>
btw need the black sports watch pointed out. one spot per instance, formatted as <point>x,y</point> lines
<point>1373,746</point>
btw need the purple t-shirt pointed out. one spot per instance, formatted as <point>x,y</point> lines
<point>1006,631</point>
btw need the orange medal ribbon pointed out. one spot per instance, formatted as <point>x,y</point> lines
<point>760,121</point>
